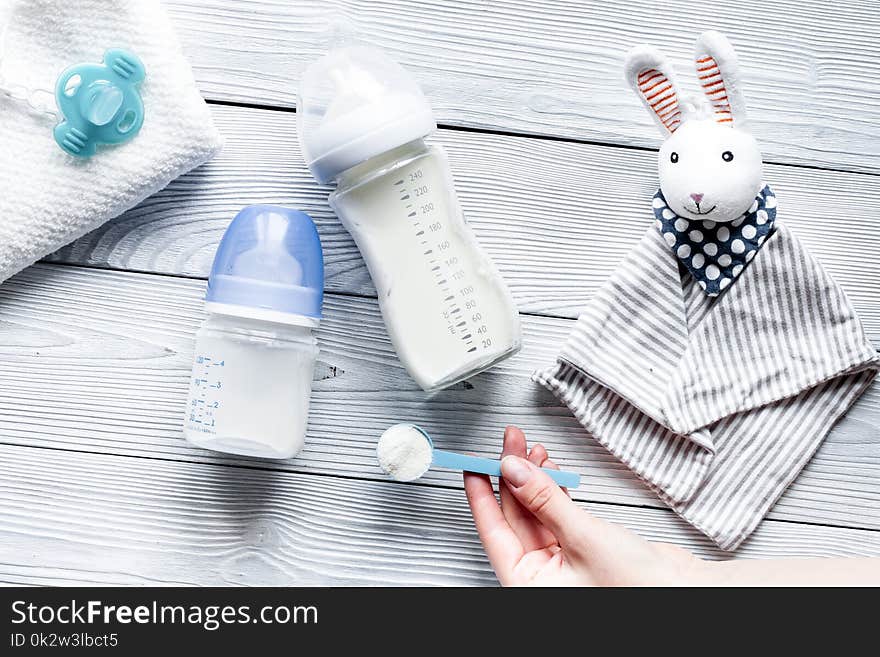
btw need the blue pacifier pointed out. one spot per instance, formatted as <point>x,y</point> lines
<point>100,103</point>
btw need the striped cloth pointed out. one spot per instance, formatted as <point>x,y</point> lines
<point>717,403</point>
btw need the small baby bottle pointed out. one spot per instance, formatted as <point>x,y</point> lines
<point>255,353</point>
<point>362,121</point>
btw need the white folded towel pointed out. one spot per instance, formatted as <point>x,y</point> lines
<point>49,198</point>
<point>716,402</point>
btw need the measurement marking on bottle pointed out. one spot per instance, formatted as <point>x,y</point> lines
<point>203,403</point>
<point>435,238</point>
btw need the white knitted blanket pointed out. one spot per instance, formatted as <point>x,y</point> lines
<point>49,198</point>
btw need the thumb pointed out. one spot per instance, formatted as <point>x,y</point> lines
<point>538,493</point>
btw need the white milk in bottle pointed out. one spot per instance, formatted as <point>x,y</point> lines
<point>362,120</point>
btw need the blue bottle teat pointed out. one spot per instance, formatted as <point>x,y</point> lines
<point>269,261</point>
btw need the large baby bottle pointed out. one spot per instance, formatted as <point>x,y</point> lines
<point>362,120</point>
<point>255,353</point>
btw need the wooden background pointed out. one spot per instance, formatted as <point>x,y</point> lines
<point>546,142</point>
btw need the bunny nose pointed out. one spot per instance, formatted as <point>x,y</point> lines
<point>697,197</point>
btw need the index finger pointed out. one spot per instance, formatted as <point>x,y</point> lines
<point>500,542</point>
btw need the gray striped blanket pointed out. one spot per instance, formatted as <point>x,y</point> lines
<point>716,403</point>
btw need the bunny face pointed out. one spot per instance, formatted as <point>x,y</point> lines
<point>710,167</point>
<point>709,171</point>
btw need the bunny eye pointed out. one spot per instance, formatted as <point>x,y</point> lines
<point>673,157</point>
<point>727,156</point>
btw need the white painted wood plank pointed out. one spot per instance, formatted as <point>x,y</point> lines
<point>71,518</point>
<point>555,67</point>
<point>556,217</point>
<point>100,361</point>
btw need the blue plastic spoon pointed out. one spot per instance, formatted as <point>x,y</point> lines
<point>407,442</point>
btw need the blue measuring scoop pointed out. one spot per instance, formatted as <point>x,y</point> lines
<point>466,463</point>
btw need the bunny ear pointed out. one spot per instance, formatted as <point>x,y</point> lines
<point>718,73</point>
<point>650,76</point>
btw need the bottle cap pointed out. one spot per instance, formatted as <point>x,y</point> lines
<point>269,265</point>
<point>355,103</point>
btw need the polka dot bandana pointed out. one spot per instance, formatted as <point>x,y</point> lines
<point>715,253</point>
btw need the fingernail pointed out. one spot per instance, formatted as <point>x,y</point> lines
<point>515,470</point>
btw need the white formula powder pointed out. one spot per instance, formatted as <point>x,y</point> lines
<point>404,452</point>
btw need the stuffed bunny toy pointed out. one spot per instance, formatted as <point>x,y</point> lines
<point>713,209</point>
<point>719,353</point>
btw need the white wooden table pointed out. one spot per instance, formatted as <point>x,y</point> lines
<point>546,141</point>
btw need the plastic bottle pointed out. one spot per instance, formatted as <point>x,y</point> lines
<point>255,353</point>
<point>362,123</point>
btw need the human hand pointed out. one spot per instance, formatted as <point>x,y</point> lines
<point>539,537</point>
